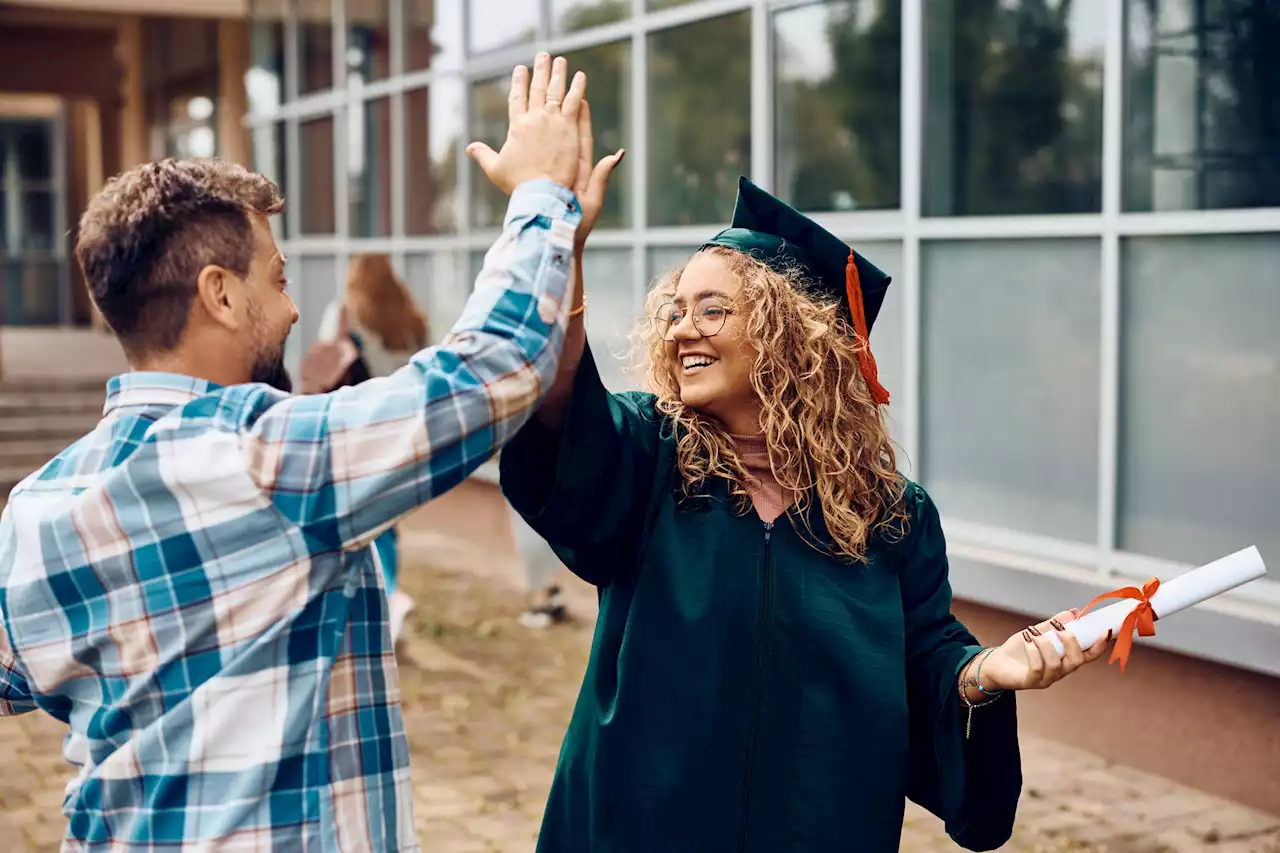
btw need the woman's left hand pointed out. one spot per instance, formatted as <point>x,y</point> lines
<point>1028,661</point>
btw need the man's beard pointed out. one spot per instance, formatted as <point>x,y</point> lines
<point>269,368</point>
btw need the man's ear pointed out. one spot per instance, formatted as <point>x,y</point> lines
<point>218,296</point>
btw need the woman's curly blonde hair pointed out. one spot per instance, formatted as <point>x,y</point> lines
<point>824,433</point>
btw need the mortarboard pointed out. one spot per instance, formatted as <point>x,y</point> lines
<point>772,231</point>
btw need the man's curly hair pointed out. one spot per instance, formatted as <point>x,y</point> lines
<point>144,238</point>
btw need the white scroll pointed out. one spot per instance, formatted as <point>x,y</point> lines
<point>1175,594</point>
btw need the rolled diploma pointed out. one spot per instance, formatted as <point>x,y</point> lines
<point>1186,590</point>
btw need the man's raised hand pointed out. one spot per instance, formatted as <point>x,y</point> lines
<point>542,136</point>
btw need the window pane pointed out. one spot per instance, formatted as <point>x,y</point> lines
<point>264,81</point>
<point>29,291</point>
<point>313,285</point>
<point>1202,121</point>
<point>315,46</point>
<point>37,225</point>
<point>501,23</point>
<point>666,4</point>
<point>1199,465</point>
<point>433,37</point>
<point>838,105</point>
<point>314,201</point>
<point>569,16</point>
<point>613,309</point>
<point>664,259</point>
<point>369,168</point>
<point>699,118</point>
<point>608,70</point>
<point>1010,333</point>
<point>432,126</point>
<point>33,147</point>
<point>269,160</point>
<point>368,40</point>
<point>1013,110</point>
<point>439,287</point>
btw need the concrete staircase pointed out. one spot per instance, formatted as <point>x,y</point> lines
<point>53,382</point>
<point>39,418</point>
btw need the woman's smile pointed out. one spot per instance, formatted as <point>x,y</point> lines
<point>693,364</point>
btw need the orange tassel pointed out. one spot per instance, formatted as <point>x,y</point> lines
<point>866,361</point>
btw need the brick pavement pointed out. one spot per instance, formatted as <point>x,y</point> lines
<point>486,702</point>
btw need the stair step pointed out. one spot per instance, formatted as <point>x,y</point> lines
<point>37,426</point>
<point>11,475</point>
<point>32,450</point>
<point>25,384</point>
<point>14,405</point>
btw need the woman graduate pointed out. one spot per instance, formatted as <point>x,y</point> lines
<point>775,666</point>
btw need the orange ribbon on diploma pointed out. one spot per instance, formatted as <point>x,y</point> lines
<point>1143,618</point>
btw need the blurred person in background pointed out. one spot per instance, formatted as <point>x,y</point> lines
<point>546,605</point>
<point>380,318</point>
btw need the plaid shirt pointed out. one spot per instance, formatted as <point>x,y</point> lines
<point>190,588</point>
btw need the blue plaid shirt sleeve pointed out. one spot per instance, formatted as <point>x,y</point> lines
<point>348,464</point>
<point>15,692</point>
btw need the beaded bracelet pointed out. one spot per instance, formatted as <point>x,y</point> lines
<point>977,677</point>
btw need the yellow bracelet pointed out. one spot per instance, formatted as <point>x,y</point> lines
<point>576,311</point>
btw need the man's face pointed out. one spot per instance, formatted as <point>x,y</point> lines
<point>271,309</point>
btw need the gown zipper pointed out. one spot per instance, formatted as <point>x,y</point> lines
<point>761,648</point>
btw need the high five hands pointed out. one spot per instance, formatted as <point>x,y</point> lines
<point>549,136</point>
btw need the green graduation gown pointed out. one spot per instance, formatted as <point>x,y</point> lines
<point>746,693</point>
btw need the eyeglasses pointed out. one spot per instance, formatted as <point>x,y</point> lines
<point>708,318</point>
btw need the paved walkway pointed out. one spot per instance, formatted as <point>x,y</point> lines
<point>486,702</point>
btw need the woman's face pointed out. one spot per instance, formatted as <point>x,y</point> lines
<point>706,343</point>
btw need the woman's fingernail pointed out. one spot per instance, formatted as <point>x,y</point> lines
<point>1055,623</point>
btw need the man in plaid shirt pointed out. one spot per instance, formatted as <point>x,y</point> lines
<point>189,587</point>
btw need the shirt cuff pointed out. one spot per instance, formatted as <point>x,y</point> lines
<point>544,197</point>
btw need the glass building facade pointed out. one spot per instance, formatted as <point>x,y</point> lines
<point>1079,203</point>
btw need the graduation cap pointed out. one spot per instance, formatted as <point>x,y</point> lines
<point>772,231</point>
